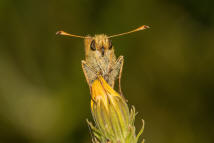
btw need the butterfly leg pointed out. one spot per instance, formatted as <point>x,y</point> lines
<point>89,73</point>
<point>116,72</point>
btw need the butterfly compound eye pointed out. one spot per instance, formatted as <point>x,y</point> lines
<point>110,44</point>
<point>92,46</point>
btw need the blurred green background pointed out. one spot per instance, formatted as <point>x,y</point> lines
<point>168,72</point>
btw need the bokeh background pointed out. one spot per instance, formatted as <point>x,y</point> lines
<point>168,72</point>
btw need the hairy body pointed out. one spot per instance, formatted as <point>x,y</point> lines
<point>100,59</point>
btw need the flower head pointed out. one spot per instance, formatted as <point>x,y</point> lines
<point>111,114</point>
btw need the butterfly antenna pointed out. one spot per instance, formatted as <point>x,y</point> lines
<point>135,30</point>
<point>70,35</point>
